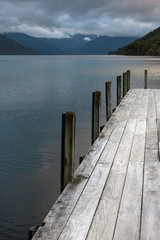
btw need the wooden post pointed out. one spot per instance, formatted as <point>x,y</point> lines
<point>145,79</point>
<point>119,89</point>
<point>96,115</point>
<point>68,148</point>
<point>128,80</point>
<point>109,109</point>
<point>124,84</point>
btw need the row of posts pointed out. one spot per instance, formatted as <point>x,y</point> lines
<point>68,125</point>
<point>68,128</point>
<point>69,118</point>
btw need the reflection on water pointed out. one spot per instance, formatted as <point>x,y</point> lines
<point>34,92</point>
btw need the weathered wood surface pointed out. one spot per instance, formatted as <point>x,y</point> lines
<point>145,79</point>
<point>128,80</point>
<point>125,83</point>
<point>119,89</point>
<point>68,146</point>
<point>116,189</point>
<point>96,115</point>
<point>109,108</point>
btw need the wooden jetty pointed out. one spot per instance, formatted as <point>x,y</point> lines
<point>115,194</point>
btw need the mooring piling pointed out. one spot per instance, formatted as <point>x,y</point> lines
<point>109,108</point>
<point>128,80</point>
<point>119,89</point>
<point>145,78</point>
<point>96,115</point>
<point>68,148</point>
<point>124,83</point>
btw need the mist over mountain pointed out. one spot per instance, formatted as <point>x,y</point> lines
<point>149,45</point>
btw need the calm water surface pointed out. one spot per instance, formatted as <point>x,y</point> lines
<point>34,92</point>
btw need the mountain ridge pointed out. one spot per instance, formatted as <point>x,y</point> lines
<point>102,45</point>
<point>34,44</point>
<point>148,45</point>
<point>11,47</point>
<point>74,41</point>
<point>78,44</point>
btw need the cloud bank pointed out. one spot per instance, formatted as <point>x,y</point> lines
<point>53,18</point>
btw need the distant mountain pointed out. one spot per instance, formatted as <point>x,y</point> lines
<point>72,42</point>
<point>103,45</point>
<point>34,44</point>
<point>79,44</point>
<point>10,47</point>
<point>149,45</point>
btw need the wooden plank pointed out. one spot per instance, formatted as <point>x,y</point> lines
<point>157,96</point>
<point>152,148</point>
<point>157,99</point>
<point>129,105</point>
<point>138,148</point>
<point>128,223</point>
<point>151,104</point>
<point>136,107</point>
<point>144,105</point>
<point>150,229</point>
<point>105,218</point>
<point>158,136</point>
<point>56,219</point>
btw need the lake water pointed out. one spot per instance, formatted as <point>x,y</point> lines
<point>34,92</point>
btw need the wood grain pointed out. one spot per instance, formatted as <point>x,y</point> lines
<point>128,223</point>
<point>151,202</point>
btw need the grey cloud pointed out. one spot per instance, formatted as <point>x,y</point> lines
<point>55,17</point>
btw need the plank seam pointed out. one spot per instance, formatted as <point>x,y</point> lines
<point>157,124</point>
<point>142,199</point>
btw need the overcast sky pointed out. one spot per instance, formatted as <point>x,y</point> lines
<point>53,18</point>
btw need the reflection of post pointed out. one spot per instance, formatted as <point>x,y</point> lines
<point>119,89</point>
<point>68,147</point>
<point>128,80</point>
<point>96,115</point>
<point>145,79</point>
<point>109,109</point>
<point>124,84</point>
